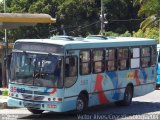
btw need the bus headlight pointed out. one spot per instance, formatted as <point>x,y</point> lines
<point>58,99</point>
<point>11,94</point>
<point>49,99</point>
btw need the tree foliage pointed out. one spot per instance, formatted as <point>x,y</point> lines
<point>150,11</point>
<point>74,17</point>
<point>149,33</point>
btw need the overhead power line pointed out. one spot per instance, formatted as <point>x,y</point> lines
<point>88,25</point>
<point>123,20</point>
<point>85,26</point>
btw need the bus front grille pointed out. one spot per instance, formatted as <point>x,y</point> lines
<point>38,98</point>
<point>32,97</point>
<point>27,97</point>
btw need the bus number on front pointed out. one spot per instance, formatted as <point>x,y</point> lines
<point>18,90</point>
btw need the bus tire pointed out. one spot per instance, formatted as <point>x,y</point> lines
<point>127,99</point>
<point>82,103</point>
<point>35,111</point>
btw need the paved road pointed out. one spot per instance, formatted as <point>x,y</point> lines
<point>144,107</point>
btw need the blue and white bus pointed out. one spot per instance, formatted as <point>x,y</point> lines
<point>158,65</point>
<point>63,75</point>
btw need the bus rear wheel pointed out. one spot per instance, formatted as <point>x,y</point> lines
<point>127,99</point>
<point>82,103</point>
<point>35,111</point>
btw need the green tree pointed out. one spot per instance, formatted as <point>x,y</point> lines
<point>74,17</point>
<point>149,33</point>
<point>31,6</point>
<point>150,9</point>
<point>120,14</point>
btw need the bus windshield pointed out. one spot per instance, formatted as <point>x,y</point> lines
<point>43,70</point>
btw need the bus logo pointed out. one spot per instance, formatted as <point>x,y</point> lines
<point>130,76</point>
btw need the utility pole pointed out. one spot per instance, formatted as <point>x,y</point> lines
<point>159,26</point>
<point>4,68</point>
<point>5,36</point>
<point>159,32</point>
<point>102,18</point>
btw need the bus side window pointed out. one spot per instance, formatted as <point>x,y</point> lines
<point>71,66</point>
<point>98,61</point>
<point>111,65</point>
<point>70,70</point>
<point>123,59</point>
<point>145,57</point>
<point>153,55</point>
<point>110,59</point>
<point>85,62</point>
<point>134,57</point>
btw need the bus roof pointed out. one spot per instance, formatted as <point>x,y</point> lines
<point>158,47</point>
<point>111,42</point>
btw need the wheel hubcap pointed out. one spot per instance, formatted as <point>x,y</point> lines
<point>80,105</point>
<point>128,97</point>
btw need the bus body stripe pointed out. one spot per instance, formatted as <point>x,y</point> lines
<point>98,87</point>
<point>103,91</point>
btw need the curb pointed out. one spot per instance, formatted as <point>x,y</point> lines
<point>3,105</point>
<point>3,102</point>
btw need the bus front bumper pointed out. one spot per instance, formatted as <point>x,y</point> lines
<point>46,106</point>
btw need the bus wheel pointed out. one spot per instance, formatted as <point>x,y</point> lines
<point>127,97</point>
<point>35,111</point>
<point>81,104</point>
